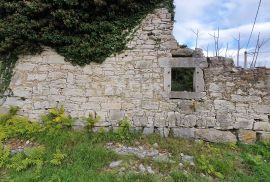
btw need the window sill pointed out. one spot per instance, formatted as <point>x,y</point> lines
<point>187,95</point>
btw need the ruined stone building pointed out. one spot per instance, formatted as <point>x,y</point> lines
<point>213,100</point>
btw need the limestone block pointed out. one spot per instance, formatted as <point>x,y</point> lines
<point>111,106</point>
<point>41,105</point>
<point>199,80</point>
<point>172,44</point>
<point>240,98</point>
<point>214,87</point>
<point>116,115</point>
<point>160,120</point>
<point>164,62</point>
<point>225,121</point>
<point>247,136</point>
<point>78,99</point>
<point>149,105</point>
<point>189,120</point>
<point>54,59</point>
<point>163,131</point>
<point>74,92</point>
<point>56,75</point>
<point>25,66</point>
<point>224,106</point>
<point>264,136</point>
<point>182,52</point>
<point>148,131</point>
<point>24,92</point>
<point>37,77</point>
<point>263,109</point>
<point>90,106</point>
<point>171,119</point>
<point>216,136</point>
<point>139,121</point>
<point>262,126</point>
<point>241,108</point>
<point>243,123</point>
<point>109,90</point>
<point>188,133</point>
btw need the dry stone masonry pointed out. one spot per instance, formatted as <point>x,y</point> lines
<point>228,105</point>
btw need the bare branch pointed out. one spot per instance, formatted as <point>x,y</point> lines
<point>197,33</point>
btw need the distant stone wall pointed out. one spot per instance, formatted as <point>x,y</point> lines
<point>235,104</point>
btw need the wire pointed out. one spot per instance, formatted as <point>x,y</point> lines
<point>254,23</point>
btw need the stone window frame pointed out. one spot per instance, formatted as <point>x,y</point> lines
<point>198,79</point>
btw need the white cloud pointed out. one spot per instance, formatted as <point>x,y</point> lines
<point>232,16</point>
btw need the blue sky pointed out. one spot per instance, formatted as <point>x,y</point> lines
<point>231,16</point>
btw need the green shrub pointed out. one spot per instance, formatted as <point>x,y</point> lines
<point>57,119</point>
<point>206,165</point>
<point>91,121</point>
<point>123,132</point>
<point>4,156</point>
<point>31,157</point>
<point>58,157</point>
<point>12,125</point>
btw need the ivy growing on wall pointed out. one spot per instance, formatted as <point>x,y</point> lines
<point>82,31</point>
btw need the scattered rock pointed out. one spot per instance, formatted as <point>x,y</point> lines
<point>149,170</point>
<point>187,159</point>
<point>181,165</point>
<point>155,145</point>
<point>142,168</point>
<point>18,146</point>
<point>115,164</point>
<point>140,151</point>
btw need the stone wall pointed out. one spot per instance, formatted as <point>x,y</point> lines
<point>235,104</point>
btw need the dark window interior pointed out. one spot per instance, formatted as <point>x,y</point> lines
<point>182,79</point>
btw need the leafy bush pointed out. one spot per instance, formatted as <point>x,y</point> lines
<point>91,121</point>
<point>12,125</point>
<point>31,157</point>
<point>123,132</point>
<point>206,165</point>
<point>4,156</point>
<point>58,157</point>
<point>57,119</point>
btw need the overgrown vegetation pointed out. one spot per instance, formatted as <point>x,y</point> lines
<point>83,31</point>
<point>67,155</point>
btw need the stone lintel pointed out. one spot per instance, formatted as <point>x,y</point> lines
<point>188,62</point>
<point>187,95</point>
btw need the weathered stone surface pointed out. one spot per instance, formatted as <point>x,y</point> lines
<point>247,136</point>
<point>184,132</point>
<point>224,106</point>
<point>225,121</point>
<point>115,164</point>
<point>262,126</point>
<point>182,52</point>
<point>216,136</point>
<point>263,136</point>
<point>137,83</point>
<point>148,131</point>
<point>116,115</point>
<point>243,123</point>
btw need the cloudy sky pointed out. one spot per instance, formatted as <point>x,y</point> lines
<point>232,17</point>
